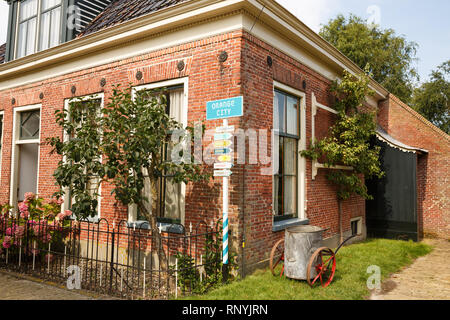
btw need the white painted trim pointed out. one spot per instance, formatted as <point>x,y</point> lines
<point>15,151</point>
<point>360,225</point>
<point>315,164</point>
<point>94,96</point>
<point>302,182</point>
<point>132,209</point>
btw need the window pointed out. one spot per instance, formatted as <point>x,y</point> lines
<point>29,125</point>
<point>170,195</point>
<point>287,131</point>
<point>356,225</point>
<point>93,184</point>
<point>39,26</point>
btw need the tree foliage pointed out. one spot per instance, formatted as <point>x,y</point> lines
<point>80,171</point>
<point>389,55</point>
<point>432,98</point>
<point>348,143</point>
<point>124,143</point>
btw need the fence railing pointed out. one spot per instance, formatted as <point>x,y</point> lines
<point>118,259</point>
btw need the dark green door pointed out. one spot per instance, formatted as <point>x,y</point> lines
<point>392,213</point>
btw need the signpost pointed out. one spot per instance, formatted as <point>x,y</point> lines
<point>215,110</point>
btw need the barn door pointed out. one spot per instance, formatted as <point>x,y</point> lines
<point>393,211</point>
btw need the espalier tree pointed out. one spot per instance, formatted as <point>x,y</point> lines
<point>128,143</point>
<point>348,142</point>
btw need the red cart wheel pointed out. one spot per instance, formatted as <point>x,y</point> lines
<point>277,258</point>
<point>322,264</point>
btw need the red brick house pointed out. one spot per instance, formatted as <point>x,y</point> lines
<point>203,51</point>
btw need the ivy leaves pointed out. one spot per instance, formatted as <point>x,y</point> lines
<point>348,143</point>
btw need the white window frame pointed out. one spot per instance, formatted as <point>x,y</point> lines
<point>132,210</point>
<point>96,96</point>
<point>38,26</point>
<point>301,162</point>
<point>359,228</point>
<point>2,116</point>
<point>16,142</point>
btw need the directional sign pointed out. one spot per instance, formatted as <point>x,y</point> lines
<point>226,108</point>
<point>223,165</point>
<point>224,158</point>
<point>225,129</point>
<point>220,151</point>
<point>223,136</point>
<point>222,143</point>
<point>222,173</point>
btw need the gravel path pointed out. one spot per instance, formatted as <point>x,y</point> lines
<point>13,288</point>
<point>428,278</point>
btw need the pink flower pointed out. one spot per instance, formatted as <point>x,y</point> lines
<point>7,242</point>
<point>23,206</point>
<point>25,214</point>
<point>48,257</point>
<point>67,213</point>
<point>29,196</point>
<point>10,231</point>
<point>19,232</point>
<point>46,238</point>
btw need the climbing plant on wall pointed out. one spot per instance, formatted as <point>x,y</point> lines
<point>348,142</point>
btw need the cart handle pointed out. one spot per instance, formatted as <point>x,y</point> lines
<point>340,246</point>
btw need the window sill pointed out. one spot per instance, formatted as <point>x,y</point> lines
<point>283,225</point>
<point>165,227</point>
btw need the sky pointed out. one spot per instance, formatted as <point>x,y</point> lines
<point>424,22</point>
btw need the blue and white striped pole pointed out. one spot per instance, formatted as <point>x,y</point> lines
<point>225,221</point>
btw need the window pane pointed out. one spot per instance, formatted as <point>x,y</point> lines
<point>173,200</point>
<point>276,195</point>
<point>175,102</point>
<point>292,115</point>
<point>280,156</point>
<point>278,112</point>
<point>29,124</point>
<point>47,4</point>
<point>55,27</point>
<point>290,156</point>
<point>290,195</point>
<point>31,36</point>
<point>45,31</point>
<point>22,40</point>
<point>28,8</point>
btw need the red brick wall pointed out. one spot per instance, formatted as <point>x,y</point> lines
<point>322,205</point>
<point>246,73</point>
<point>407,126</point>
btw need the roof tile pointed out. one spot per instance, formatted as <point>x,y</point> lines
<point>124,10</point>
<point>2,53</point>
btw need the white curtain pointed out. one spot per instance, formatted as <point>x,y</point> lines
<point>174,200</point>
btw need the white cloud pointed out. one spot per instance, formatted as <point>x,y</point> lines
<point>311,12</point>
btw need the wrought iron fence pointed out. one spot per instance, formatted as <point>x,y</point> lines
<point>124,260</point>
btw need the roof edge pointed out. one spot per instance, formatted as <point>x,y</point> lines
<point>419,116</point>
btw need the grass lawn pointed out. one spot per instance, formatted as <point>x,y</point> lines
<point>349,282</point>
